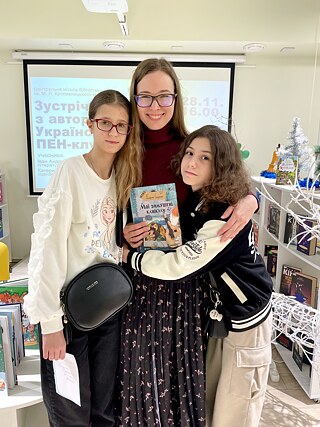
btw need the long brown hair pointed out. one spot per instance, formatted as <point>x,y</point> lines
<point>149,66</point>
<point>127,173</point>
<point>230,179</point>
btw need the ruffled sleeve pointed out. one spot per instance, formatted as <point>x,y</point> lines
<point>47,267</point>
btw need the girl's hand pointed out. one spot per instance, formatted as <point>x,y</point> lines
<point>54,346</point>
<point>241,215</point>
<point>125,253</point>
<point>135,233</point>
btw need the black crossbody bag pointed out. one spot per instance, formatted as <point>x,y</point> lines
<point>96,293</point>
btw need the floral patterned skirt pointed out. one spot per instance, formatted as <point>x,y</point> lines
<point>162,360</point>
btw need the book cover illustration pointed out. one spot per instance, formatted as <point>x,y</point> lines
<point>286,173</point>
<point>303,287</point>
<point>269,248</point>
<point>7,348</point>
<point>284,341</point>
<point>256,234</point>
<point>297,354</point>
<point>306,243</point>
<point>14,293</point>
<point>272,259</point>
<point>290,230</point>
<point>274,220</point>
<point>3,374</point>
<point>158,206</point>
<point>286,278</point>
<point>1,224</point>
<point>16,318</point>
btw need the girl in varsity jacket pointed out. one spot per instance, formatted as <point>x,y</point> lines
<point>237,363</point>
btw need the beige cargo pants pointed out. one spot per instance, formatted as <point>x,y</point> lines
<point>236,378</point>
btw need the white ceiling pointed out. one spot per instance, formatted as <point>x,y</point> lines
<point>163,26</point>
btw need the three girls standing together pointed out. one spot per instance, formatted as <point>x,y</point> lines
<point>158,342</point>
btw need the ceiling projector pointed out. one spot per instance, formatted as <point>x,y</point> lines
<point>106,6</point>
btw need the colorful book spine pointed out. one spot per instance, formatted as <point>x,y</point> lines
<point>3,374</point>
<point>1,224</point>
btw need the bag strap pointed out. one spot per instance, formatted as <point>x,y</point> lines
<point>119,228</point>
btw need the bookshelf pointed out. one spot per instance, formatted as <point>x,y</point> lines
<point>24,407</point>
<point>308,378</point>
<point>4,215</point>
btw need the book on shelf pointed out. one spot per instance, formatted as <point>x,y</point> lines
<point>1,224</point>
<point>286,172</point>
<point>158,206</point>
<point>269,248</point>
<point>3,373</point>
<point>14,293</point>
<point>285,341</point>
<point>286,278</point>
<point>272,259</point>
<point>16,319</point>
<point>8,355</point>
<point>1,193</point>
<point>304,288</point>
<point>256,234</point>
<point>290,229</point>
<point>306,243</point>
<point>274,220</point>
<point>297,354</point>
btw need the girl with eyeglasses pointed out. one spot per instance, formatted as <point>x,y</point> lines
<point>73,229</point>
<point>162,360</point>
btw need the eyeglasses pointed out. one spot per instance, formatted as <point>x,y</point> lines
<point>106,126</point>
<point>163,100</point>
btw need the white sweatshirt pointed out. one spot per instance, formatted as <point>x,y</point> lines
<point>73,229</point>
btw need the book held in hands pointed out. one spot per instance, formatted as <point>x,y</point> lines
<point>158,206</point>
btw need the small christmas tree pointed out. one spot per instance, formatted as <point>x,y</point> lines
<point>297,146</point>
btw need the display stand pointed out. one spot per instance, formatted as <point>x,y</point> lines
<point>24,407</point>
<point>309,376</point>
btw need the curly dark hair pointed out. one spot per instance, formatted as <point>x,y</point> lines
<point>230,180</point>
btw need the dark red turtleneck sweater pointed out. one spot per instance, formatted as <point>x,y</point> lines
<point>160,147</point>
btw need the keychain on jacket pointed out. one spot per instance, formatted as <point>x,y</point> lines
<point>215,326</point>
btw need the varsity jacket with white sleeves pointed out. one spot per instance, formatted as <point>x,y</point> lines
<point>238,269</point>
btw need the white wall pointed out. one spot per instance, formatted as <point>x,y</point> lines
<point>269,92</point>
<point>13,158</point>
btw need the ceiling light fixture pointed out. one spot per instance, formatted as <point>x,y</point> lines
<point>287,49</point>
<point>113,45</point>
<point>253,47</point>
